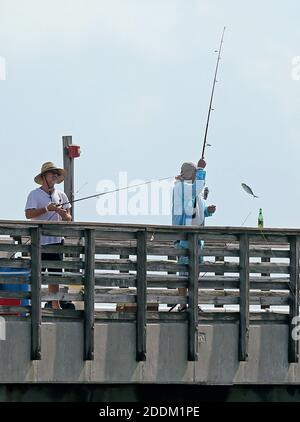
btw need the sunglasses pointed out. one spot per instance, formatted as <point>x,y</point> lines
<point>57,173</point>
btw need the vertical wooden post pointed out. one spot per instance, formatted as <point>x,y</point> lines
<point>265,259</point>
<point>89,293</point>
<point>219,259</point>
<point>122,306</point>
<point>244,297</point>
<point>36,318</point>
<point>69,167</point>
<point>124,257</point>
<point>193,297</point>
<point>172,258</point>
<point>293,349</point>
<point>141,295</point>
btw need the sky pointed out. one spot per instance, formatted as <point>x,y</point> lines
<point>130,80</point>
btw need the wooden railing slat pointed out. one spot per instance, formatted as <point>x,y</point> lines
<point>244,297</point>
<point>36,319</point>
<point>193,297</point>
<point>141,296</point>
<point>89,292</point>
<point>293,344</point>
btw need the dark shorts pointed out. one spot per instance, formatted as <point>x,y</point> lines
<point>53,257</point>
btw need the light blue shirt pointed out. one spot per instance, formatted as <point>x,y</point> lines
<point>188,208</point>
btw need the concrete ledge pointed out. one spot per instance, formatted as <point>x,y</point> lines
<point>62,355</point>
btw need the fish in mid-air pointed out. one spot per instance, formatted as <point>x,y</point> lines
<point>248,190</point>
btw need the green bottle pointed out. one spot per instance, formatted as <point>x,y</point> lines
<point>260,220</point>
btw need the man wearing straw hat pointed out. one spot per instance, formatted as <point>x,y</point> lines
<point>43,203</point>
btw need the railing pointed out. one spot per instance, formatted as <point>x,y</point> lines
<point>254,279</point>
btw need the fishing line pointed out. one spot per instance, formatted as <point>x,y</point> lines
<point>246,218</point>
<point>78,190</point>
<point>116,190</point>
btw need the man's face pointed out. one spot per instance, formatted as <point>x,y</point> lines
<point>188,171</point>
<point>51,177</point>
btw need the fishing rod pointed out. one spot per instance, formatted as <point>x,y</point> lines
<point>212,93</point>
<point>100,194</point>
<point>95,196</point>
<point>116,190</point>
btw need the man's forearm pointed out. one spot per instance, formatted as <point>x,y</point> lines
<point>34,213</point>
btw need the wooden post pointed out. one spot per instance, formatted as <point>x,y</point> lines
<point>141,295</point>
<point>122,306</point>
<point>219,259</point>
<point>89,293</point>
<point>244,297</point>
<point>293,350</point>
<point>193,297</point>
<point>124,257</point>
<point>69,167</point>
<point>36,318</point>
<point>265,259</point>
<point>172,258</point>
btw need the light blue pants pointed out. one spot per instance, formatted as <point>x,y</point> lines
<point>184,259</point>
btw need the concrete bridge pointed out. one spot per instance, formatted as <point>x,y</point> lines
<point>240,327</point>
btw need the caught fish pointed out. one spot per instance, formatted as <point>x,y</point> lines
<point>248,190</point>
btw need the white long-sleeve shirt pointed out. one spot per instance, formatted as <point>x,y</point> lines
<point>188,208</point>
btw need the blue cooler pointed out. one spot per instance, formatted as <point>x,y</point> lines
<point>13,272</point>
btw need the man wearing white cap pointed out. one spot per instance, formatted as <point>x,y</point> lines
<point>189,208</point>
<point>44,203</point>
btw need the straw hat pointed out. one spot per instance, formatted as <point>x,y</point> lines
<point>48,166</point>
